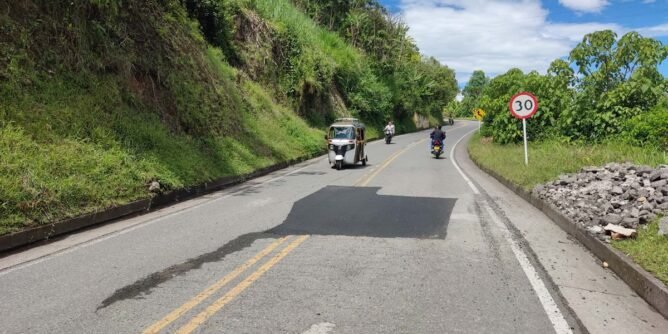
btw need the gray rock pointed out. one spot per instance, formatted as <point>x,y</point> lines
<point>565,180</point>
<point>663,227</point>
<point>659,183</point>
<point>595,229</point>
<point>655,175</point>
<point>616,190</point>
<point>648,206</point>
<point>613,167</point>
<point>616,194</point>
<point>592,169</point>
<point>615,203</point>
<point>647,219</point>
<point>633,193</point>
<point>630,222</point>
<point>154,187</point>
<point>641,170</point>
<point>612,219</point>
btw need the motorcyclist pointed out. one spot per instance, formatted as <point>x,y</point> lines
<point>437,134</point>
<point>389,127</point>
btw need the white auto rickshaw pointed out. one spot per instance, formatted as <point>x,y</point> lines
<point>346,143</point>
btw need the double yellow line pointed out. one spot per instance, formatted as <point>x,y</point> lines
<point>231,294</point>
<point>366,179</point>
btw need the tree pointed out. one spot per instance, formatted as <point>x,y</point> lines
<point>472,93</point>
<point>617,80</point>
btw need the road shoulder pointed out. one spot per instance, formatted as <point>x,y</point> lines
<point>601,300</point>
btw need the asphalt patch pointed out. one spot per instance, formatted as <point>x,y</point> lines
<point>360,211</point>
<point>346,211</point>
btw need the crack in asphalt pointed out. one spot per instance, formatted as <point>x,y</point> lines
<point>144,286</point>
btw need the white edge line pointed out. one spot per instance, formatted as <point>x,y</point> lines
<point>131,228</point>
<point>557,319</point>
<point>550,307</point>
<point>454,162</point>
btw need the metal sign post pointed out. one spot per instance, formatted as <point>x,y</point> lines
<point>479,114</point>
<point>524,105</point>
<point>526,149</point>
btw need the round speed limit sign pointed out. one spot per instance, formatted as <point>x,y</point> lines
<point>523,105</point>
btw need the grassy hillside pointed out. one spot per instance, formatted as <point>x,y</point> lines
<point>101,97</point>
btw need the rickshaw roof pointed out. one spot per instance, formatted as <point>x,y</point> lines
<point>354,122</point>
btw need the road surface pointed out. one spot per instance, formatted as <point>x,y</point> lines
<point>407,244</point>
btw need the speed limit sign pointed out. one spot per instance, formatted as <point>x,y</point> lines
<point>523,105</point>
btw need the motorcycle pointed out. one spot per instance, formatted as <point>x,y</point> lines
<point>437,148</point>
<point>388,137</point>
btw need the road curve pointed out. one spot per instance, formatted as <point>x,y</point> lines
<point>407,244</point>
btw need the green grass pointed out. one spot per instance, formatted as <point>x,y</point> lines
<point>648,250</point>
<point>59,162</point>
<point>86,125</point>
<point>83,141</point>
<point>551,158</point>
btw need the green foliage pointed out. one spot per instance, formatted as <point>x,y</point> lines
<point>552,157</point>
<point>101,97</point>
<point>216,20</point>
<point>402,82</point>
<point>648,129</point>
<point>472,93</point>
<point>616,81</point>
<point>649,249</point>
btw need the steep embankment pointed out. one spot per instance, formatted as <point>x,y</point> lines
<point>99,98</point>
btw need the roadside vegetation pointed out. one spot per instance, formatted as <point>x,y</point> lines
<point>649,250</point>
<point>550,158</point>
<point>100,98</point>
<point>607,102</point>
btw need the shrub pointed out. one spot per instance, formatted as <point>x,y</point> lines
<point>648,129</point>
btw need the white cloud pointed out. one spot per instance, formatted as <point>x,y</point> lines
<point>589,6</point>
<point>656,31</point>
<point>496,35</point>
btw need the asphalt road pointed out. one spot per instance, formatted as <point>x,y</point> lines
<point>407,244</point>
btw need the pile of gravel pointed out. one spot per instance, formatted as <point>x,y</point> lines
<point>620,194</point>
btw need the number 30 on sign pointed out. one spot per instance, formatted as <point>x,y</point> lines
<point>523,105</point>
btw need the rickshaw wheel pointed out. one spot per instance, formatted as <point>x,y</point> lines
<point>364,161</point>
<point>339,165</point>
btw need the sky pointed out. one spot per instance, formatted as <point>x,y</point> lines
<point>497,35</point>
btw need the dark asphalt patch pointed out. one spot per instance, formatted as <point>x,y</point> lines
<point>347,211</point>
<point>359,211</point>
